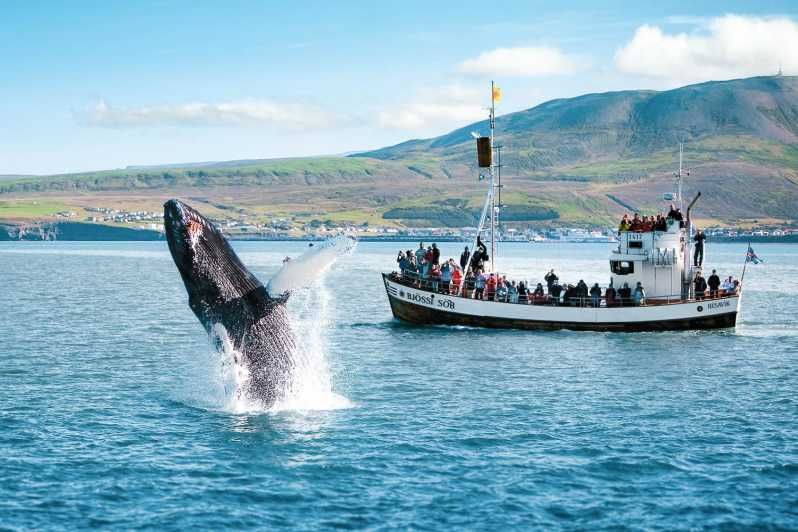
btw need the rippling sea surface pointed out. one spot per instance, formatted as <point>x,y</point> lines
<point>115,410</point>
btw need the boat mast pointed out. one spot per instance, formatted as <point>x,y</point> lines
<point>493,170</point>
<point>679,178</point>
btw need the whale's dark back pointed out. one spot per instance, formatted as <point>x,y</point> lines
<point>222,291</point>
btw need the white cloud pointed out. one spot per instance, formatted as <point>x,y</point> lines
<point>727,47</point>
<point>523,62</point>
<point>240,113</point>
<point>439,108</point>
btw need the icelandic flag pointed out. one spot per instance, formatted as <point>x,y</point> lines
<point>750,256</point>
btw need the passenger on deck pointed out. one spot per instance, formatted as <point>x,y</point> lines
<point>522,293</point>
<point>637,223</point>
<point>490,287</point>
<point>420,252</point>
<point>554,293</point>
<point>551,279</point>
<point>728,286</point>
<point>609,296</point>
<point>625,225</point>
<point>435,277</point>
<point>676,215</point>
<point>714,283</point>
<point>539,296</point>
<point>512,292</point>
<point>582,291</point>
<point>479,284</point>
<point>625,294</point>
<point>501,290</point>
<point>436,254</point>
<point>402,261</point>
<point>639,295</point>
<point>424,272</point>
<point>469,283</point>
<point>464,258</point>
<point>699,287</point>
<point>570,295</point>
<point>595,295</point>
<point>446,274</point>
<point>457,278</point>
<point>412,271</point>
<point>661,224</point>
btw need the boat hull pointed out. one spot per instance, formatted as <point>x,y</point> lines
<point>422,307</point>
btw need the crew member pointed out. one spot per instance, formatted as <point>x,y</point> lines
<point>714,284</point>
<point>698,255</point>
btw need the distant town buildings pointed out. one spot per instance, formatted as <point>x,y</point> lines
<point>242,226</point>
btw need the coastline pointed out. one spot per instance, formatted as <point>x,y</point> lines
<point>90,232</point>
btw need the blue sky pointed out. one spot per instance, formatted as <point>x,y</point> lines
<point>95,85</point>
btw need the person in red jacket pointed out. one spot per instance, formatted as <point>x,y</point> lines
<point>490,287</point>
<point>457,278</point>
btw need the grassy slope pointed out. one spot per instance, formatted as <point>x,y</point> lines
<point>588,158</point>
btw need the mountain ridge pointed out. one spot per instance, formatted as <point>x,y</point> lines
<point>582,159</point>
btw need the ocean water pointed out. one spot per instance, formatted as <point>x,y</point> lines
<point>116,412</point>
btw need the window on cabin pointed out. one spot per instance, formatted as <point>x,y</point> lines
<point>636,244</point>
<point>622,267</point>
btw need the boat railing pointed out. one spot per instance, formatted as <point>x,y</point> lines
<point>451,289</point>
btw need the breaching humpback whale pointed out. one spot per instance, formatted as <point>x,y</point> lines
<point>221,291</point>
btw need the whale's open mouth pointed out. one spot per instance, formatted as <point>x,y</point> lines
<point>183,227</point>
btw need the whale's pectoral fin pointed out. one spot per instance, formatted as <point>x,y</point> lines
<point>304,270</point>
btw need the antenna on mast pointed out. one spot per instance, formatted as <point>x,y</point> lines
<point>679,178</point>
<point>679,191</point>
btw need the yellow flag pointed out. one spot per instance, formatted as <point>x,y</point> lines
<point>497,94</point>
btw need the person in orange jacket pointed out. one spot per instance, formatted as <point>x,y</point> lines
<point>457,278</point>
<point>490,287</point>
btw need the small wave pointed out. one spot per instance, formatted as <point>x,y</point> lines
<point>313,402</point>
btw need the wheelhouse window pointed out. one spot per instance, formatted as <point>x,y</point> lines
<point>636,244</point>
<point>622,267</point>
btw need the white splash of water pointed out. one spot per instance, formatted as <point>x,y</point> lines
<point>232,375</point>
<point>310,387</point>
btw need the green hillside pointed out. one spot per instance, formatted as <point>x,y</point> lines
<point>575,160</point>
